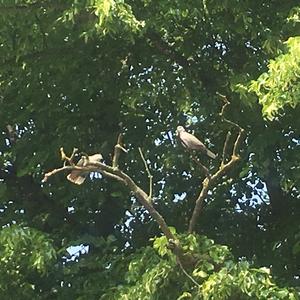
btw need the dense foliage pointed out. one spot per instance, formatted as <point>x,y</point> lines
<point>76,74</point>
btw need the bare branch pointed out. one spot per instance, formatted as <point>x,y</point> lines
<point>122,148</point>
<point>65,158</point>
<point>225,147</point>
<point>107,174</point>
<point>117,174</point>
<point>117,152</point>
<point>210,181</point>
<point>238,142</point>
<point>149,174</point>
<point>206,171</point>
<point>55,171</point>
<point>186,273</point>
<point>73,153</point>
<point>222,113</point>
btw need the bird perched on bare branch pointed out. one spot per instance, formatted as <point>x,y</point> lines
<point>77,176</point>
<point>190,142</point>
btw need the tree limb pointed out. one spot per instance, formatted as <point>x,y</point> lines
<point>122,177</point>
<point>206,171</point>
<point>148,172</point>
<point>225,147</point>
<point>210,181</point>
<point>186,273</point>
<point>117,152</point>
<point>141,196</point>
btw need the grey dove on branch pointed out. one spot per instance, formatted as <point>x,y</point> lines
<point>190,142</point>
<point>77,176</point>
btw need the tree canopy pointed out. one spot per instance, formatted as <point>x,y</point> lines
<point>152,220</point>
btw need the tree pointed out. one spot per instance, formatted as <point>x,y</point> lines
<point>78,74</point>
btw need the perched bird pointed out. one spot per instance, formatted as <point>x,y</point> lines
<point>190,142</point>
<point>77,176</point>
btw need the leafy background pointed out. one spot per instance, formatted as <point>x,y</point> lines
<point>76,74</point>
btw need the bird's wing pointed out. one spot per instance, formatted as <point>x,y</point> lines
<point>191,142</point>
<point>211,154</point>
<point>76,177</point>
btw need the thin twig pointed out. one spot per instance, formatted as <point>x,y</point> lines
<point>62,154</point>
<point>238,142</point>
<point>65,158</point>
<point>225,147</point>
<point>222,113</point>
<point>65,168</point>
<point>186,273</point>
<point>107,174</point>
<point>117,152</point>
<point>122,148</point>
<point>149,174</point>
<point>73,153</point>
<point>206,171</point>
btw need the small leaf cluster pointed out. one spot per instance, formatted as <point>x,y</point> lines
<point>280,86</point>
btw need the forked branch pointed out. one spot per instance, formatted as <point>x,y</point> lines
<point>118,148</point>
<point>210,180</point>
<point>115,173</point>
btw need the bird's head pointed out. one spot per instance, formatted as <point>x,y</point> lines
<point>179,129</point>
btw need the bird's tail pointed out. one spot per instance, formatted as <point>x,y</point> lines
<point>75,177</point>
<point>210,154</point>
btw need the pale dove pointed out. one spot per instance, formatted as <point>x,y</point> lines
<point>77,176</point>
<point>190,142</point>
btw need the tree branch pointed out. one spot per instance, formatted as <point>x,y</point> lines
<point>210,181</point>
<point>149,174</point>
<point>117,152</point>
<point>65,158</point>
<point>141,196</point>
<point>225,147</point>
<point>117,174</point>
<point>186,273</point>
<point>206,171</point>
